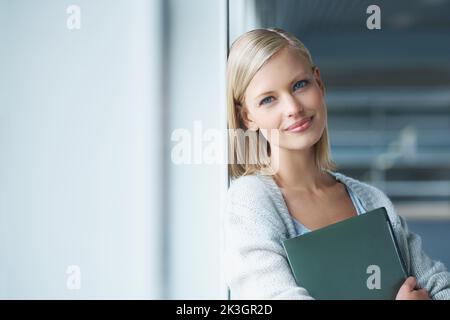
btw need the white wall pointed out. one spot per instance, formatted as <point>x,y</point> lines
<point>80,117</point>
<point>85,173</point>
<point>243,18</point>
<point>197,44</point>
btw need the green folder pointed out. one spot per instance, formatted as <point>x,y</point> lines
<point>357,258</point>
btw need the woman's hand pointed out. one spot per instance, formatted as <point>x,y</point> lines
<point>408,292</point>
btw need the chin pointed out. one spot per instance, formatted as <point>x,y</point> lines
<point>300,142</point>
<point>298,147</point>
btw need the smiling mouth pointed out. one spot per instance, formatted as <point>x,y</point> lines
<point>300,126</point>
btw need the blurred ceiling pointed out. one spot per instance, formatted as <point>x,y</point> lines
<point>350,15</point>
<point>412,49</point>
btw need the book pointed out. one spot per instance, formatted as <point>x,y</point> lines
<point>357,258</point>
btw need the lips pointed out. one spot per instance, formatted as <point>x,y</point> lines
<point>298,124</point>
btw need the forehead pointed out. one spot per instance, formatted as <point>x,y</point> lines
<point>278,71</point>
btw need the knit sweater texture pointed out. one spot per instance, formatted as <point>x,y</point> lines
<point>256,221</point>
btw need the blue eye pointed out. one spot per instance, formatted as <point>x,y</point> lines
<point>300,84</point>
<point>266,100</point>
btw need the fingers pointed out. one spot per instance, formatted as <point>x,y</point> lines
<point>407,291</point>
<point>424,293</point>
<point>420,294</point>
<point>410,284</point>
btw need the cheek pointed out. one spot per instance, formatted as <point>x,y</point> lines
<point>269,124</point>
<point>320,117</point>
<point>269,119</point>
<point>315,103</point>
<point>314,100</point>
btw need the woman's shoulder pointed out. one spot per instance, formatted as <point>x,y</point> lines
<point>358,185</point>
<point>254,198</point>
<point>371,195</point>
<point>257,192</point>
<point>249,187</point>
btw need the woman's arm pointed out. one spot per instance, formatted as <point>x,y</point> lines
<point>431,275</point>
<point>256,264</point>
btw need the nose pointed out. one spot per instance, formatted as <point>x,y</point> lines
<point>292,106</point>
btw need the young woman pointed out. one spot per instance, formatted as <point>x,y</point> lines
<point>273,86</point>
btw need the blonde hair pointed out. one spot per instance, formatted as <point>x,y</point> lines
<point>247,55</point>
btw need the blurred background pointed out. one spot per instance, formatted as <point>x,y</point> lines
<point>388,96</point>
<point>92,204</point>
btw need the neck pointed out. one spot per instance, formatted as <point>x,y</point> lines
<point>297,170</point>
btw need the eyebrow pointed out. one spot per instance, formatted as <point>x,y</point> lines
<point>291,83</point>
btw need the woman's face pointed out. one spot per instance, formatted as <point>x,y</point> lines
<point>283,94</point>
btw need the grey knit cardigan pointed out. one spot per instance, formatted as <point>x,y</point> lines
<point>256,221</point>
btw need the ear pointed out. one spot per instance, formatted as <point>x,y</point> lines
<point>316,72</point>
<point>247,119</point>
